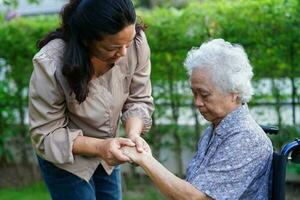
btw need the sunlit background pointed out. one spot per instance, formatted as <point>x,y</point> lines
<point>269,30</point>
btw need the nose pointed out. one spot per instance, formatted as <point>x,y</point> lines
<point>198,101</point>
<point>122,51</point>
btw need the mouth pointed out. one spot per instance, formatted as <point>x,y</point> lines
<point>201,110</point>
<point>204,114</point>
<point>115,59</point>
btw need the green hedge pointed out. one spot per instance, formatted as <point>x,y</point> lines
<point>18,45</point>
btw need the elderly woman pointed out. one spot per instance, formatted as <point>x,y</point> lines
<point>234,155</point>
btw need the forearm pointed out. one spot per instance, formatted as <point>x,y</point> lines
<point>133,126</point>
<point>170,185</point>
<point>87,146</point>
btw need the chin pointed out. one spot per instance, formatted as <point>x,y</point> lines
<point>206,117</point>
<point>112,60</point>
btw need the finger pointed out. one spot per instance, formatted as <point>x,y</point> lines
<point>126,142</point>
<point>125,150</point>
<point>126,153</point>
<point>139,145</point>
<point>118,154</point>
<point>146,147</point>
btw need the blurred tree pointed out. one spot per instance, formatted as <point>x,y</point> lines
<point>18,45</point>
<point>163,3</point>
<point>15,3</point>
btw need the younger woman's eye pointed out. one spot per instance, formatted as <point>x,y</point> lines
<point>110,49</point>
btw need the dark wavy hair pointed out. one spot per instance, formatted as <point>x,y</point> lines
<point>82,22</point>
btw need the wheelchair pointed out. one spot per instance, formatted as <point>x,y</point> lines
<point>289,153</point>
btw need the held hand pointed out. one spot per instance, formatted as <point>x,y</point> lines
<point>111,150</point>
<point>133,129</point>
<point>134,155</point>
<point>140,143</point>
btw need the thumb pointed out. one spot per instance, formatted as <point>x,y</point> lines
<point>139,145</point>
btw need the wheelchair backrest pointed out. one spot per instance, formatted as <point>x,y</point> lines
<point>290,152</point>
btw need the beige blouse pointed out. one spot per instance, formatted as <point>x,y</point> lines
<point>56,118</point>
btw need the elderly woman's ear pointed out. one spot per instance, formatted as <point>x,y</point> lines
<point>235,97</point>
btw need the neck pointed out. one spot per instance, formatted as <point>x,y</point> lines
<point>229,110</point>
<point>100,67</point>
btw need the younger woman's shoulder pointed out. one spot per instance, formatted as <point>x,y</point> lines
<point>140,38</point>
<point>49,59</point>
<point>142,47</point>
<point>50,56</point>
<point>53,50</point>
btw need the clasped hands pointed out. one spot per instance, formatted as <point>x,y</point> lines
<point>131,149</point>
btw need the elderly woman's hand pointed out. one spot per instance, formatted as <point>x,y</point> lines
<point>134,155</point>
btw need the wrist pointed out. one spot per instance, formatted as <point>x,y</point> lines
<point>99,147</point>
<point>132,134</point>
<point>134,126</point>
<point>146,160</point>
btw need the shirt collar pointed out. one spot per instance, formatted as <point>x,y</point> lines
<point>231,120</point>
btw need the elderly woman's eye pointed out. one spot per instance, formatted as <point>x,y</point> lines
<point>204,95</point>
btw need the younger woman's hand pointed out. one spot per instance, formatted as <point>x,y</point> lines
<point>111,151</point>
<point>140,143</point>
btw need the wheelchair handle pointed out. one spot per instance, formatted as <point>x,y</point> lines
<point>270,129</point>
<point>290,147</point>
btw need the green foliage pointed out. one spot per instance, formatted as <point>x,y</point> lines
<point>286,134</point>
<point>18,40</point>
<point>161,3</point>
<point>268,30</point>
<point>15,3</point>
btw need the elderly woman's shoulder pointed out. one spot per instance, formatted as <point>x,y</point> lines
<point>251,136</point>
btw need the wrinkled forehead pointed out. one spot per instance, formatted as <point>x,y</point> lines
<point>204,80</point>
<point>199,74</point>
<point>201,77</point>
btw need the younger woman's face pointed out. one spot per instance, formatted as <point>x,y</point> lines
<point>113,47</point>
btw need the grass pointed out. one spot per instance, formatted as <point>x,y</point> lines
<point>140,187</point>
<point>134,190</point>
<point>36,191</point>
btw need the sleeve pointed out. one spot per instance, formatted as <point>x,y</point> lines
<point>237,163</point>
<point>50,135</point>
<point>140,102</point>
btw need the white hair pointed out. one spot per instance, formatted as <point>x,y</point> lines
<point>228,64</point>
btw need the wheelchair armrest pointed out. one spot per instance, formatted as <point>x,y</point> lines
<point>294,149</point>
<point>270,129</point>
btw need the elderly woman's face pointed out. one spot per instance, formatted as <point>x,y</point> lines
<point>212,103</point>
